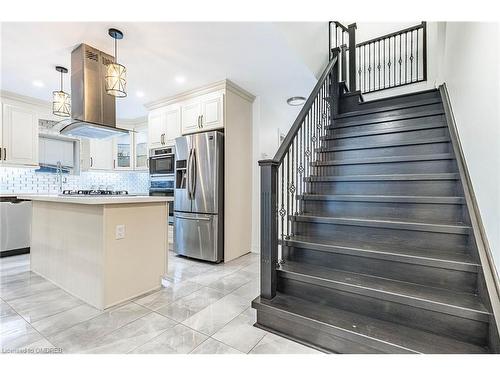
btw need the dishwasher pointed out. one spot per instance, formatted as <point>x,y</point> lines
<point>15,226</point>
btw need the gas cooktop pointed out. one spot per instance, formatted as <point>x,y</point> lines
<point>95,192</point>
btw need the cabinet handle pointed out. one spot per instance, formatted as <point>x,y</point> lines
<point>201,121</point>
<point>0,153</point>
<point>5,153</point>
<point>91,162</point>
<point>162,140</point>
<point>114,163</point>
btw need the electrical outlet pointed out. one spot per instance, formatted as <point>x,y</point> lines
<point>120,232</point>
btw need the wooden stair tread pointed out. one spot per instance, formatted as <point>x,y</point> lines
<point>382,198</point>
<point>395,143</point>
<point>388,177</point>
<point>387,337</point>
<point>385,159</point>
<point>435,299</point>
<point>456,260</point>
<point>399,129</point>
<point>455,228</point>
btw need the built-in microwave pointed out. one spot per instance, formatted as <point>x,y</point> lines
<point>162,161</point>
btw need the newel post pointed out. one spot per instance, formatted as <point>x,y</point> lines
<point>268,227</point>
<point>351,30</point>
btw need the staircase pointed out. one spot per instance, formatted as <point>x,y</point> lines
<point>379,256</point>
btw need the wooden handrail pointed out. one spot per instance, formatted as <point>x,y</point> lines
<point>280,154</point>
<point>377,39</point>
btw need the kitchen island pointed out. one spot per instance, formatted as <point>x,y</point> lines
<point>102,249</point>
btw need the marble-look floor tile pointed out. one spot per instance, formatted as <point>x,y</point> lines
<point>42,346</point>
<point>19,338</point>
<point>35,285</point>
<point>44,304</point>
<point>218,314</point>
<point>240,333</point>
<point>211,346</point>
<point>59,322</point>
<point>11,322</point>
<point>231,282</point>
<point>248,291</point>
<point>178,340</point>
<point>165,296</point>
<point>191,304</point>
<point>132,335</point>
<point>274,344</point>
<point>79,336</point>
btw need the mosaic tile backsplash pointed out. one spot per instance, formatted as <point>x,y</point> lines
<point>24,180</point>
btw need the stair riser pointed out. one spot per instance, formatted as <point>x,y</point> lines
<point>391,115</point>
<point>460,281</point>
<point>296,328</point>
<point>425,188</point>
<point>423,149</point>
<point>386,137</point>
<point>444,241</point>
<point>396,101</point>
<point>459,328</point>
<point>450,213</point>
<point>397,125</point>
<point>427,166</point>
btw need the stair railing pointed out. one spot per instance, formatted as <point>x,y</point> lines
<point>344,38</point>
<point>283,177</point>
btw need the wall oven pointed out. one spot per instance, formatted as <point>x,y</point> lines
<point>163,186</point>
<point>162,161</point>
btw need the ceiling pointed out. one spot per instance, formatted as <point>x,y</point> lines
<point>272,61</point>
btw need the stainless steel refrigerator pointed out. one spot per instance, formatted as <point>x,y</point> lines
<point>199,196</point>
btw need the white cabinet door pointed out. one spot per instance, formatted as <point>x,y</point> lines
<point>141,149</point>
<point>191,115</point>
<point>173,125</point>
<point>212,112</point>
<point>20,136</point>
<point>101,154</point>
<point>122,152</point>
<point>156,128</point>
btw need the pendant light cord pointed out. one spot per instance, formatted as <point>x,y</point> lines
<point>61,81</point>
<point>116,55</point>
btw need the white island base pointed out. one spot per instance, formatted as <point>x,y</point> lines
<point>76,245</point>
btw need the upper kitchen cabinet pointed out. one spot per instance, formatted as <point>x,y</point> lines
<point>123,152</point>
<point>164,125</point>
<point>141,148</point>
<point>19,139</point>
<point>101,154</point>
<point>203,113</point>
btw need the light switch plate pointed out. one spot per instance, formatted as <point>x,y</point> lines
<point>120,232</point>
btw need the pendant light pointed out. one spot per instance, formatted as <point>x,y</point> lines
<point>61,101</point>
<point>116,74</point>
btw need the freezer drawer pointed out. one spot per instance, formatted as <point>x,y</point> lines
<point>198,236</point>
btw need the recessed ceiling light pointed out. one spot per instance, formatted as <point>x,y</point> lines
<point>296,100</point>
<point>38,83</point>
<point>140,94</point>
<point>180,79</point>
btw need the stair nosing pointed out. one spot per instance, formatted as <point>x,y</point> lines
<point>368,133</point>
<point>385,255</point>
<point>388,177</point>
<point>407,116</point>
<point>396,143</point>
<point>405,299</point>
<point>420,199</point>
<point>386,224</point>
<point>403,105</point>
<point>384,159</point>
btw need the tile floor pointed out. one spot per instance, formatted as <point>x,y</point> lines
<point>205,309</point>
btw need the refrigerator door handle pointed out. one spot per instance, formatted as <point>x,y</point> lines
<point>188,171</point>
<point>193,218</point>
<point>194,172</point>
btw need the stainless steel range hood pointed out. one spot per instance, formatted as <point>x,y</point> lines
<point>93,113</point>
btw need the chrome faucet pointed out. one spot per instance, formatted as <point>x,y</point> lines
<point>59,176</point>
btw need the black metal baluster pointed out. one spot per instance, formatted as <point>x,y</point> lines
<point>400,59</point>
<point>282,211</point>
<point>406,57</point>
<point>411,57</point>
<point>288,194</point>
<point>384,63</point>
<point>389,63</point>
<point>418,47</point>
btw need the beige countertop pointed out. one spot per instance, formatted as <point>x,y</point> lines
<point>95,200</point>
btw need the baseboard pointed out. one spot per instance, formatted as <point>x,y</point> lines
<point>13,252</point>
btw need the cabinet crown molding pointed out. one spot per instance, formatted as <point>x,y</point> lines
<point>225,84</point>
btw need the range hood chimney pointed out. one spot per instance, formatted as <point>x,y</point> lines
<point>93,113</point>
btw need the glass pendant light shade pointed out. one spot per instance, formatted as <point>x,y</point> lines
<point>116,74</point>
<point>116,80</point>
<point>61,101</point>
<point>61,104</point>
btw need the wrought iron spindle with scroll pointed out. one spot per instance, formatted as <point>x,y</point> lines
<point>283,177</point>
<point>392,60</point>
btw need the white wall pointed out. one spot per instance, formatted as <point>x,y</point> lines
<point>471,71</point>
